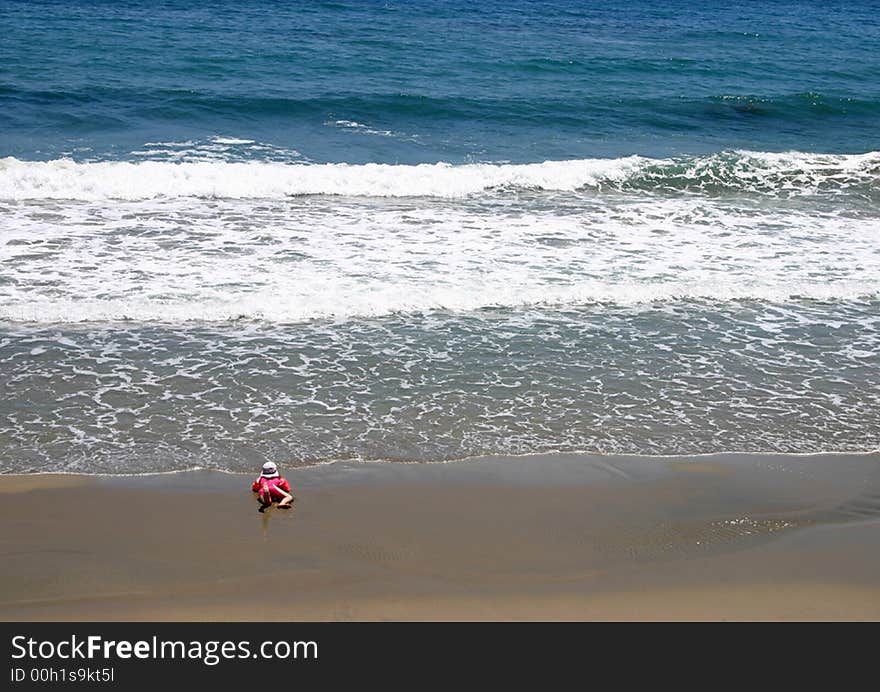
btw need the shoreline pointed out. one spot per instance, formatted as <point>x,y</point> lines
<point>540,537</point>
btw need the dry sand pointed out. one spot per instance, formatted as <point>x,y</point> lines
<point>554,537</point>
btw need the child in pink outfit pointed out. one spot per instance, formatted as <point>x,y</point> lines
<point>271,487</point>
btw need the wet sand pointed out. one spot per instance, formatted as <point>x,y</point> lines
<point>552,537</point>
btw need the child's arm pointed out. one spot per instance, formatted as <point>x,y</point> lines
<point>283,487</point>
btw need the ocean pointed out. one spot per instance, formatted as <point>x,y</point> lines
<point>425,231</point>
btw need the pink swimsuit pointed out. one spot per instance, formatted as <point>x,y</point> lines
<point>270,489</point>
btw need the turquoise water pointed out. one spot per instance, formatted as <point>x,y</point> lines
<point>451,81</point>
<point>422,231</point>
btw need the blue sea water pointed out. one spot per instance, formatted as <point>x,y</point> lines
<point>443,80</point>
<point>310,231</point>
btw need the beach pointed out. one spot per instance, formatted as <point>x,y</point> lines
<point>545,537</point>
<point>548,310</point>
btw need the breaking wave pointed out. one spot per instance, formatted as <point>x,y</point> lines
<point>786,174</point>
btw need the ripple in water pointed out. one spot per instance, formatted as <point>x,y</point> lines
<point>675,378</point>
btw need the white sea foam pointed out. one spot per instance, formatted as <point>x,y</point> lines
<point>367,130</point>
<point>697,378</point>
<point>231,140</point>
<point>285,261</point>
<point>751,171</point>
<point>268,305</point>
<point>65,179</point>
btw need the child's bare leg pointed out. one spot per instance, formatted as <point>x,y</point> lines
<point>286,501</point>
